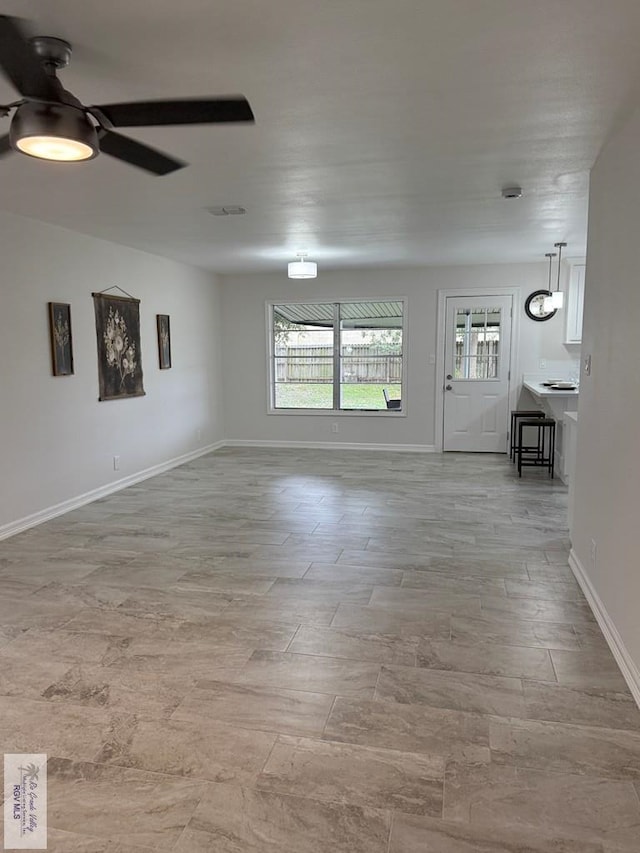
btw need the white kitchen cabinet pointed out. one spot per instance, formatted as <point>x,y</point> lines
<point>575,303</point>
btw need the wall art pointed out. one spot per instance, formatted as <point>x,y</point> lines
<point>61,341</point>
<point>164,341</point>
<point>119,354</point>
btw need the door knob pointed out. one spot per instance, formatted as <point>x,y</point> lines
<point>447,387</point>
<point>449,376</point>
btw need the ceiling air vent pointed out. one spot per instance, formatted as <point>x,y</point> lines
<point>227,210</point>
<point>512,192</point>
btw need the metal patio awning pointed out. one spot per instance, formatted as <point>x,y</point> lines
<point>353,315</point>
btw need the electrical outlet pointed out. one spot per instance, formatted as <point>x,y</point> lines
<point>594,552</point>
<point>334,428</point>
<point>542,364</point>
<point>432,358</point>
<point>198,434</point>
<point>116,463</point>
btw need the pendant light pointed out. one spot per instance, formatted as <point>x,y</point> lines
<point>302,268</point>
<point>548,300</point>
<point>557,297</point>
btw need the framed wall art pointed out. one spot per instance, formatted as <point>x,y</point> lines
<point>164,341</point>
<point>61,341</point>
<point>118,339</point>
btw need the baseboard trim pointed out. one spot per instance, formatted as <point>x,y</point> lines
<point>102,491</point>
<point>332,445</point>
<point>22,524</point>
<point>630,671</point>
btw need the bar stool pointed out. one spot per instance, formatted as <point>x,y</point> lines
<point>516,414</point>
<point>542,453</point>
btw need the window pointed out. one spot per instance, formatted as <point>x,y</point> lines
<point>337,356</point>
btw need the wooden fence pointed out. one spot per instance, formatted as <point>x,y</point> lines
<point>359,363</point>
<point>481,362</point>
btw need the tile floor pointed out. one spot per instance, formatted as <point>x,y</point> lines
<point>301,651</point>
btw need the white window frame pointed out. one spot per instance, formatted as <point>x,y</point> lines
<point>335,412</point>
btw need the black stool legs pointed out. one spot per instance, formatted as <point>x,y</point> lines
<point>516,415</point>
<point>542,453</point>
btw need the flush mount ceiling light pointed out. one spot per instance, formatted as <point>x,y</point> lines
<point>557,297</point>
<point>302,268</point>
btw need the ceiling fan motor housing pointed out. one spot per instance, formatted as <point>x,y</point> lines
<point>52,51</point>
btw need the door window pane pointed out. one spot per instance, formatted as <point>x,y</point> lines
<point>477,353</point>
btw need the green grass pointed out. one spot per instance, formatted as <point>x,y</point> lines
<point>292,395</point>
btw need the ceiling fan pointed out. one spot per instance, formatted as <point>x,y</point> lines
<point>51,124</point>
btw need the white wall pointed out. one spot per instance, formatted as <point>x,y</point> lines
<point>607,479</point>
<point>56,440</point>
<point>244,343</point>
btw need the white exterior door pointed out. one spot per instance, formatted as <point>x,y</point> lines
<point>476,381</point>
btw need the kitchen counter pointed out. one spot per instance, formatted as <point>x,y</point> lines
<point>540,390</point>
<point>562,407</point>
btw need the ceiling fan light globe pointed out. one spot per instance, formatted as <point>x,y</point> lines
<point>57,132</point>
<point>55,148</point>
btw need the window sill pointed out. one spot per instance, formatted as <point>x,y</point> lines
<point>342,413</point>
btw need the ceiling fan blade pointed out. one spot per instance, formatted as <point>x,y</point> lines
<point>5,145</point>
<point>183,111</point>
<point>21,64</point>
<point>136,153</point>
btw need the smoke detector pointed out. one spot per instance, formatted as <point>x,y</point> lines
<point>512,192</point>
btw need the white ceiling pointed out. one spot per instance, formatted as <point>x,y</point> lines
<point>385,129</point>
